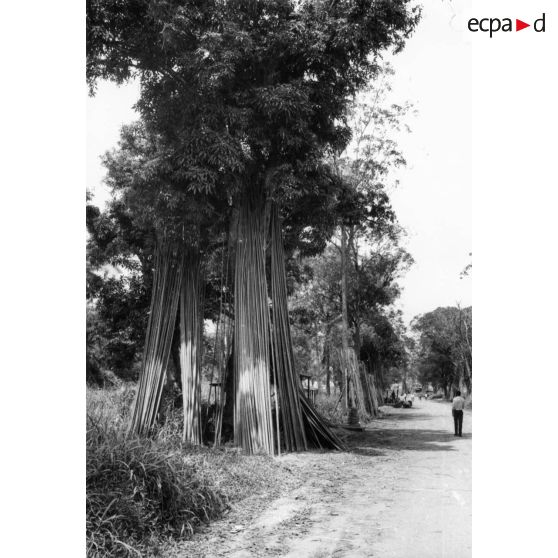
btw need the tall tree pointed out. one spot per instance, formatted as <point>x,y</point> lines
<point>147,186</point>
<point>248,95</point>
<point>364,167</point>
<point>445,347</point>
<point>375,328</point>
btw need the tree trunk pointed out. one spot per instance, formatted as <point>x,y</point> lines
<point>302,424</point>
<point>468,379</point>
<point>404,383</point>
<point>328,371</point>
<point>356,340</point>
<point>227,402</point>
<point>287,385</point>
<point>317,359</point>
<point>175,356</point>
<point>344,319</point>
<point>191,320</point>
<point>167,279</point>
<point>253,427</point>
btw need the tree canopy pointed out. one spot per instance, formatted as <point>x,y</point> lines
<point>245,90</point>
<point>445,347</point>
<point>244,112</point>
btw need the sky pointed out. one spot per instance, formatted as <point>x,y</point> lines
<point>434,197</point>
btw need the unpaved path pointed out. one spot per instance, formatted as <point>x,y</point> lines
<point>402,491</point>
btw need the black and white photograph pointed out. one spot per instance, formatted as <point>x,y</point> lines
<point>276,204</point>
<point>279,261</point>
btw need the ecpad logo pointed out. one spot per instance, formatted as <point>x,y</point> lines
<point>493,25</point>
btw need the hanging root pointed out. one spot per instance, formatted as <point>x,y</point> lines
<point>286,385</point>
<point>253,425</point>
<point>191,316</point>
<point>167,279</point>
<point>302,425</point>
<point>318,431</point>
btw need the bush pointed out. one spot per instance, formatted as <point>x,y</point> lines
<point>138,489</point>
<point>330,407</point>
<point>141,492</point>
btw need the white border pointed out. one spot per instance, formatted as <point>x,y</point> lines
<point>514,284</point>
<point>42,401</point>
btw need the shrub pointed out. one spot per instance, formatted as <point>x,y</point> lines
<point>139,491</point>
<point>330,407</point>
<point>142,492</point>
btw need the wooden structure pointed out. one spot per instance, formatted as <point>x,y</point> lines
<point>308,389</point>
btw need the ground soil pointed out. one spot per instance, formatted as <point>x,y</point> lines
<point>403,490</point>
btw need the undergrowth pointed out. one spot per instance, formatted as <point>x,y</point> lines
<point>329,406</point>
<point>141,492</point>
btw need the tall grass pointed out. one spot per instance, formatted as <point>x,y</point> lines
<point>141,492</point>
<point>330,408</point>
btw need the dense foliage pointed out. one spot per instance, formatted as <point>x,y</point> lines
<point>232,94</point>
<point>376,328</point>
<point>142,492</point>
<point>445,348</point>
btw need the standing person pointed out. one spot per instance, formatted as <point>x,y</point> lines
<point>457,412</point>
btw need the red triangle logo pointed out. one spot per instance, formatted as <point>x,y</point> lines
<point>519,25</point>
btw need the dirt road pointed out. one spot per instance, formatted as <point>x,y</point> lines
<point>402,491</point>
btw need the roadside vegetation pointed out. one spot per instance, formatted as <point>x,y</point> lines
<point>249,242</point>
<point>144,492</point>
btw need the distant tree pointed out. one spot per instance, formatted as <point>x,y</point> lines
<point>316,309</point>
<point>119,274</point>
<point>384,346</point>
<point>445,348</point>
<point>355,279</point>
<point>466,270</point>
<point>364,168</point>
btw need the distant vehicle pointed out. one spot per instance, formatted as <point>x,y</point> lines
<point>418,388</point>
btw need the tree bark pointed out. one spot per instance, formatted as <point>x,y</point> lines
<point>167,279</point>
<point>229,398</point>
<point>468,380</point>
<point>253,427</point>
<point>328,371</point>
<point>175,356</point>
<point>344,318</point>
<point>356,339</point>
<point>405,379</point>
<point>287,384</point>
<point>191,321</point>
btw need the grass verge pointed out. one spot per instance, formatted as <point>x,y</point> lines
<point>141,492</point>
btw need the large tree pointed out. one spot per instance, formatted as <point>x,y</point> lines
<point>375,329</point>
<point>445,348</point>
<point>248,96</point>
<point>367,228</point>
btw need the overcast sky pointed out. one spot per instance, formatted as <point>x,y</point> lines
<point>433,200</point>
